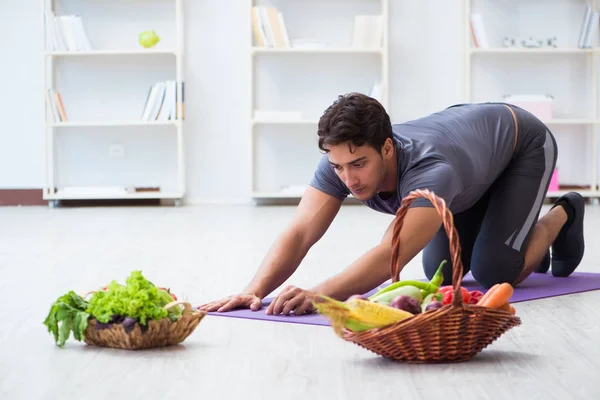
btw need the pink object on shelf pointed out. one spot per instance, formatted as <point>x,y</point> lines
<point>540,106</point>
<point>554,186</point>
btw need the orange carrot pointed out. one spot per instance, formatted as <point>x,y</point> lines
<point>508,308</point>
<point>488,294</point>
<point>501,295</point>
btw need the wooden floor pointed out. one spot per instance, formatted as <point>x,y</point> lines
<point>203,253</point>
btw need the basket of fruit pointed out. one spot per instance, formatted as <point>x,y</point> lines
<point>136,315</point>
<point>421,322</point>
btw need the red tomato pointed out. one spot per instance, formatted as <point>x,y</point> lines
<point>466,295</point>
<point>475,296</point>
<point>448,293</point>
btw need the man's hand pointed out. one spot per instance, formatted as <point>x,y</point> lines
<point>291,299</point>
<point>243,300</point>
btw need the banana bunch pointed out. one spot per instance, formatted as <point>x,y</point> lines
<point>358,315</point>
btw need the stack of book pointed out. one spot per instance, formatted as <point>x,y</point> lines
<point>269,28</point>
<point>161,102</point>
<point>66,33</point>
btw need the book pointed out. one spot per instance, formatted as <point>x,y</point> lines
<point>268,27</point>
<point>66,33</point>
<point>57,107</point>
<point>478,33</point>
<point>161,102</point>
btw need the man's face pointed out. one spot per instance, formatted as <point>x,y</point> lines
<point>362,170</point>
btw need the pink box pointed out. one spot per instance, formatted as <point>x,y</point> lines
<point>540,106</point>
<point>554,185</point>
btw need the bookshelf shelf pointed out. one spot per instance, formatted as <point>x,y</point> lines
<point>283,194</point>
<point>584,193</point>
<point>556,50</point>
<point>298,193</point>
<point>265,121</point>
<point>124,52</point>
<point>108,194</point>
<point>315,50</point>
<point>96,76</point>
<point>302,59</point>
<point>544,72</point>
<point>76,124</point>
<point>570,121</point>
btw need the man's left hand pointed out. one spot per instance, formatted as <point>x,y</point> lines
<point>292,299</point>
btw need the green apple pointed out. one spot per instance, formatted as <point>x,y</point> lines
<point>148,39</point>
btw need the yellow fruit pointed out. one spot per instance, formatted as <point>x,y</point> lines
<point>148,39</point>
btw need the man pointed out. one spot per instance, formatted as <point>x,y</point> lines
<point>490,162</point>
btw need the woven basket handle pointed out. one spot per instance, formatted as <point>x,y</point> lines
<point>448,221</point>
<point>187,306</point>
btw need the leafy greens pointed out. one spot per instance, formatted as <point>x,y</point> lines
<point>70,310</point>
<point>138,299</point>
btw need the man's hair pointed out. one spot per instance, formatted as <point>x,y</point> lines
<point>357,119</point>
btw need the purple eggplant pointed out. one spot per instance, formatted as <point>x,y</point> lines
<point>100,325</point>
<point>434,305</point>
<point>129,324</point>
<point>406,303</point>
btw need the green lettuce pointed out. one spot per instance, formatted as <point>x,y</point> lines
<point>138,299</point>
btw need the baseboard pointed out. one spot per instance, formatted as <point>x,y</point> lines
<point>22,197</point>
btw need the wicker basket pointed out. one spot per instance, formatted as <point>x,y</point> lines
<point>160,333</point>
<point>455,332</point>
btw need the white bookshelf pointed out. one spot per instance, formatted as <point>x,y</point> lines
<point>297,73</point>
<point>567,70</point>
<point>114,110</point>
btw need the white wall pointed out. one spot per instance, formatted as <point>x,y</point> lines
<point>21,100</point>
<point>425,75</point>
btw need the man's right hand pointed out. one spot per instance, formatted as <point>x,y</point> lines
<point>243,300</point>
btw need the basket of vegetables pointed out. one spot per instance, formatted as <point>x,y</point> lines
<point>136,315</point>
<point>422,322</point>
